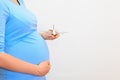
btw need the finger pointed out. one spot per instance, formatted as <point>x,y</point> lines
<point>51,31</point>
<point>57,35</point>
<point>51,36</point>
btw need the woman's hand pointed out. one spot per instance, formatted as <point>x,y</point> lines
<point>49,36</point>
<point>44,68</point>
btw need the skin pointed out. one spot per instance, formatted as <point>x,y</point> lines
<point>49,36</point>
<point>11,63</point>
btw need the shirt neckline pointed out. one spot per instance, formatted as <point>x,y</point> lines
<point>19,4</point>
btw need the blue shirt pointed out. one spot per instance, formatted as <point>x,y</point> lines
<point>16,22</point>
<point>19,38</point>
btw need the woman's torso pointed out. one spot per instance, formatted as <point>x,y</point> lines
<point>22,40</point>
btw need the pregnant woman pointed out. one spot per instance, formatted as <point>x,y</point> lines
<point>23,52</point>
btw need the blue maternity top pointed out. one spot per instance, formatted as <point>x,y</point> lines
<point>19,38</point>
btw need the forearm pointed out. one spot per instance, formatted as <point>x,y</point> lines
<point>11,63</point>
<point>42,34</point>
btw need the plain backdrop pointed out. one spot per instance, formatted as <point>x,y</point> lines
<point>89,49</point>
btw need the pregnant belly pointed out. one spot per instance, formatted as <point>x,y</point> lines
<point>32,49</point>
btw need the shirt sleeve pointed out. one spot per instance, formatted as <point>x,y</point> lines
<point>3,20</point>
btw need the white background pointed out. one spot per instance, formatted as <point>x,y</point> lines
<point>90,50</point>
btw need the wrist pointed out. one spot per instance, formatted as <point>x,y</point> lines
<point>43,35</point>
<point>36,71</point>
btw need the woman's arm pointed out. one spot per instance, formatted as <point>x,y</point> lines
<point>11,63</point>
